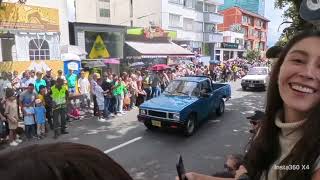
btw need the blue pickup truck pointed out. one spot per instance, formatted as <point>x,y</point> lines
<point>184,104</point>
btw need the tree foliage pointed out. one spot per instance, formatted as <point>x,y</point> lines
<point>291,16</point>
<point>252,55</point>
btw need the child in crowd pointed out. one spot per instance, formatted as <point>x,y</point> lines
<point>46,101</point>
<point>40,115</point>
<point>29,121</point>
<point>11,111</point>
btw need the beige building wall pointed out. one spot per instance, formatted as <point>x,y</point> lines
<point>61,5</point>
<point>88,11</point>
<point>143,12</point>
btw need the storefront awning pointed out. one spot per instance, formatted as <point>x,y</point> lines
<point>159,49</point>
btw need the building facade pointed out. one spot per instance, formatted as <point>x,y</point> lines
<point>89,29</point>
<point>195,21</point>
<point>254,27</point>
<point>31,34</point>
<point>232,46</point>
<point>255,6</point>
<point>90,11</point>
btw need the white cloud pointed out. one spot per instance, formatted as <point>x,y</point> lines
<point>275,17</point>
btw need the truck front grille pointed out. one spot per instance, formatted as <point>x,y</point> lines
<point>157,114</point>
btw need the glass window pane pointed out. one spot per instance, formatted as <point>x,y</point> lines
<point>47,57</point>
<point>45,45</point>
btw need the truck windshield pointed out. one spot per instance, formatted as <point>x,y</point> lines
<point>258,71</point>
<point>183,88</point>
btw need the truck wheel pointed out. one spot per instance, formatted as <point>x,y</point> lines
<point>221,108</point>
<point>244,88</point>
<point>190,126</point>
<point>149,126</point>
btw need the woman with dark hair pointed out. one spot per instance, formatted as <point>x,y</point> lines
<point>287,146</point>
<point>60,161</point>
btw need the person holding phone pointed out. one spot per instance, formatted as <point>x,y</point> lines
<point>288,144</point>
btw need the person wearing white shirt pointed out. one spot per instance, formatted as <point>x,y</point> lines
<point>84,88</point>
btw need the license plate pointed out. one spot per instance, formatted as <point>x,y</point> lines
<point>251,85</point>
<point>156,123</point>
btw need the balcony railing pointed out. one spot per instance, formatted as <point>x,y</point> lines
<point>213,37</point>
<point>215,18</point>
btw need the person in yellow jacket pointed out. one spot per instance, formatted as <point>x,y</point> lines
<point>59,95</point>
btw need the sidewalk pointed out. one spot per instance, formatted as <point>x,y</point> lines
<point>86,126</point>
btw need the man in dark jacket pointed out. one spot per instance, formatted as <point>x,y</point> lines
<point>107,85</point>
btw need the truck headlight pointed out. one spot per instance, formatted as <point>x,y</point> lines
<point>176,116</point>
<point>143,112</point>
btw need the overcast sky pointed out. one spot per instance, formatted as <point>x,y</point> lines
<point>275,17</point>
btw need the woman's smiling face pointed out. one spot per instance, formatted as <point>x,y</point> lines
<point>299,77</point>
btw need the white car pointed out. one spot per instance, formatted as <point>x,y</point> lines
<point>257,77</point>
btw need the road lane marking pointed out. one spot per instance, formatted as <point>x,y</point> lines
<point>122,145</point>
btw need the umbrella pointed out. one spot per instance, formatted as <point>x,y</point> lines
<point>69,57</point>
<point>159,67</point>
<point>112,61</point>
<point>136,64</point>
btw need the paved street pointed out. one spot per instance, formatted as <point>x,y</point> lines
<point>152,155</point>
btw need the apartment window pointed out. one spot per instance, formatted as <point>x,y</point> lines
<point>251,32</point>
<point>199,6</point>
<point>244,20</point>
<point>264,25</point>
<point>104,12</point>
<point>210,28</point>
<point>175,1</point>
<point>198,27</point>
<point>39,49</point>
<point>174,20</point>
<point>210,8</point>
<point>189,3</point>
<point>250,21</point>
<point>187,24</point>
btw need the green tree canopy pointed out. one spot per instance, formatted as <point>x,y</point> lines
<point>252,55</point>
<point>292,17</point>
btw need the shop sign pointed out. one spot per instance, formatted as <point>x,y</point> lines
<point>154,31</point>
<point>140,31</point>
<point>73,66</point>
<point>229,45</point>
<point>24,17</point>
<point>99,49</point>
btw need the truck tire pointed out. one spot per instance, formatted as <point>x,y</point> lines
<point>190,126</point>
<point>221,108</point>
<point>149,126</point>
<point>244,88</point>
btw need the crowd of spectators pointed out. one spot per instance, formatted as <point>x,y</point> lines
<point>44,101</point>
